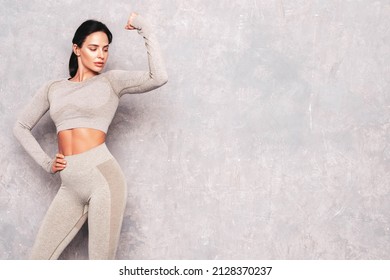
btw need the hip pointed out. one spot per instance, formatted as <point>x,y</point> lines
<point>84,165</point>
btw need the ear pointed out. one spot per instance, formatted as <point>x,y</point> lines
<point>76,49</point>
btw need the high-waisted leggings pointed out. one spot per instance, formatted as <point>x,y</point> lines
<point>94,187</point>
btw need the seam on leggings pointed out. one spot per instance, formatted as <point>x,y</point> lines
<point>109,170</point>
<point>67,235</point>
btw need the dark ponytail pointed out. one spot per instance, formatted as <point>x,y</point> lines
<point>86,28</point>
<point>73,65</point>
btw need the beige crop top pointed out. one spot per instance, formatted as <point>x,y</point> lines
<point>91,103</point>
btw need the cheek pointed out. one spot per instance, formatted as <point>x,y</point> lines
<point>87,56</point>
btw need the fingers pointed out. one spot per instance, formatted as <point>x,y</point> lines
<point>60,162</point>
<point>60,156</point>
<point>129,25</point>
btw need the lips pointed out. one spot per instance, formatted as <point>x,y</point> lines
<point>99,64</point>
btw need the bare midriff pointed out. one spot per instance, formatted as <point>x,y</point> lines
<point>78,140</point>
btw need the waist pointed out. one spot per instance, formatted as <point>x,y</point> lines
<point>89,158</point>
<point>79,140</point>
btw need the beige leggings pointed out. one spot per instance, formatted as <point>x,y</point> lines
<point>94,187</point>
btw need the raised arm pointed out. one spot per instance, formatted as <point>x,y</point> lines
<point>124,82</point>
<point>26,121</point>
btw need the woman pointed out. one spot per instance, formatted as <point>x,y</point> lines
<point>82,108</point>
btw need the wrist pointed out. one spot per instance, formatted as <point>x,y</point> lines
<point>51,171</point>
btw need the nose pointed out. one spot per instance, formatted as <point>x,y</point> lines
<point>101,54</point>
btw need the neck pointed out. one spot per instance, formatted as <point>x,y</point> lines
<point>83,74</point>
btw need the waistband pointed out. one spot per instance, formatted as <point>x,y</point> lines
<point>94,156</point>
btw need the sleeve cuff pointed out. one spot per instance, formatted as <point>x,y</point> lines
<point>48,166</point>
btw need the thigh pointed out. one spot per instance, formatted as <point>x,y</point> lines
<point>61,223</point>
<point>106,208</point>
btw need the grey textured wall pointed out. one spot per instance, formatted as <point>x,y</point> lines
<point>270,140</point>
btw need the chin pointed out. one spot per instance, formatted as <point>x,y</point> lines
<point>97,70</point>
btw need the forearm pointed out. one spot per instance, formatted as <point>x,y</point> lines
<point>26,121</point>
<point>127,82</point>
<point>156,63</point>
<point>31,145</point>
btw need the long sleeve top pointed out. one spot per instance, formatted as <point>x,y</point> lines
<point>91,103</point>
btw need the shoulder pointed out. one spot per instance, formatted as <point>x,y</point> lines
<point>48,84</point>
<point>54,82</point>
<point>45,87</point>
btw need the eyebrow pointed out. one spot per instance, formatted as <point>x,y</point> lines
<point>94,45</point>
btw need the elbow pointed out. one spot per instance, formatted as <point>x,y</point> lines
<point>18,130</point>
<point>162,79</point>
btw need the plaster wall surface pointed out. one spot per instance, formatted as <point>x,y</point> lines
<point>269,141</point>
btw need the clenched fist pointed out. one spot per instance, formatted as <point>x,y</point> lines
<point>129,25</point>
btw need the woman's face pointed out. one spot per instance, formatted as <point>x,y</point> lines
<point>94,52</point>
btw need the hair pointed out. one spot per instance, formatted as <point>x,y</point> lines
<point>86,28</point>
